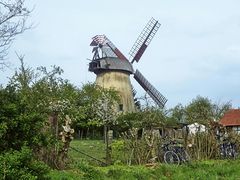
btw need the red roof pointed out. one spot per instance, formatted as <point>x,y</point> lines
<point>231,118</point>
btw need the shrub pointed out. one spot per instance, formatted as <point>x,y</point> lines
<point>21,165</point>
<point>89,172</point>
<point>119,152</point>
<point>204,146</point>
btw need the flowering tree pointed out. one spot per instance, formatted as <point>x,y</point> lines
<point>105,108</point>
<point>107,112</point>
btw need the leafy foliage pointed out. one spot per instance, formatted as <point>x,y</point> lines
<point>19,123</point>
<point>21,165</point>
<point>202,110</point>
<point>27,102</point>
<point>178,114</point>
<point>91,99</point>
<point>199,110</point>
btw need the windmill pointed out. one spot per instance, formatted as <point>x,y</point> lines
<point>113,69</point>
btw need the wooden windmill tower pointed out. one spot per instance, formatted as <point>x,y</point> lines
<point>113,69</point>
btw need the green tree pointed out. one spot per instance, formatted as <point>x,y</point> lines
<point>34,106</point>
<point>21,129</point>
<point>106,112</point>
<point>199,110</point>
<point>219,109</point>
<point>56,98</point>
<point>203,110</point>
<point>177,113</point>
<point>90,101</point>
<point>86,99</point>
<point>20,123</point>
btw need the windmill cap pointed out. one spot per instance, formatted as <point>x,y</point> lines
<point>110,64</point>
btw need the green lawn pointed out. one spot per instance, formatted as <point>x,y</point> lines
<point>94,148</point>
<point>80,169</point>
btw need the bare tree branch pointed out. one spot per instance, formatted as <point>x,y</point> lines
<point>13,17</point>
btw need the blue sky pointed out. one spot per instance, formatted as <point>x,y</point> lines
<point>196,51</point>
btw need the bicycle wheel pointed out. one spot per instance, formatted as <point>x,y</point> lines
<point>171,157</point>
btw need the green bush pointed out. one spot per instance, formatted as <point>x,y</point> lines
<point>21,165</point>
<point>20,123</point>
<point>119,153</point>
<point>88,171</point>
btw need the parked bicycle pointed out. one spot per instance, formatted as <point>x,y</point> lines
<point>228,150</point>
<point>174,153</point>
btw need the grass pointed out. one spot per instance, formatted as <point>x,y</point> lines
<point>95,148</point>
<point>81,169</point>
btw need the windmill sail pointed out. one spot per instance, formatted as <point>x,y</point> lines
<point>144,40</point>
<point>159,99</point>
<point>107,47</point>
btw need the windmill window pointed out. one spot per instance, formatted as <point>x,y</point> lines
<point>120,107</point>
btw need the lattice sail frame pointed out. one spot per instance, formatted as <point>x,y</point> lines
<point>158,98</point>
<point>144,40</point>
<point>107,47</point>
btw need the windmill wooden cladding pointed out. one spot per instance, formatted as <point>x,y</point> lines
<point>120,82</point>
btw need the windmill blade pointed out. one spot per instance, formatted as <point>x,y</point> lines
<point>115,50</point>
<point>159,99</point>
<point>98,40</point>
<point>107,47</point>
<point>144,40</point>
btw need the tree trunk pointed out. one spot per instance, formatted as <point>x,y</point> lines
<point>105,134</point>
<point>53,120</point>
<point>87,132</point>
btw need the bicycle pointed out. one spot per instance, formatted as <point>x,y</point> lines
<point>174,153</point>
<point>228,150</point>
